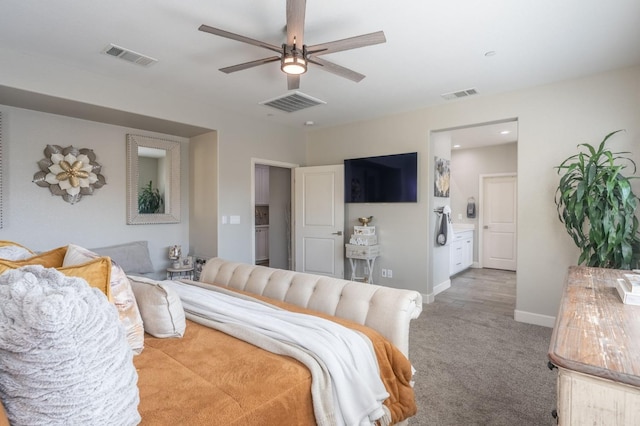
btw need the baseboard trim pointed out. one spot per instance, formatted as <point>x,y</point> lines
<point>441,287</point>
<point>535,319</point>
<point>428,298</point>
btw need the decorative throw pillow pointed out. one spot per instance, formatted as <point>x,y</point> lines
<point>14,251</point>
<point>4,421</point>
<point>97,272</point>
<point>132,257</point>
<point>48,259</point>
<point>160,307</point>
<point>64,358</point>
<point>121,294</point>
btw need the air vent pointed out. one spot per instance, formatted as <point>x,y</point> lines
<point>129,55</point>
<point>292,102</point>
<point>459,94</point>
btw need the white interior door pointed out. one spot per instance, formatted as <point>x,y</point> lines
<point>499,194</point>
<point>319,220</point>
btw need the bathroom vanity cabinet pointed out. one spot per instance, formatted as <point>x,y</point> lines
<point>461,256</point>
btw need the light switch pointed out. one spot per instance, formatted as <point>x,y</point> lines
<point>225,220</point>
<point>234,220</point>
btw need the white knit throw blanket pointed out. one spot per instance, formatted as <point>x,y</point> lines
<point>64,357</point>
<point>346,384</point>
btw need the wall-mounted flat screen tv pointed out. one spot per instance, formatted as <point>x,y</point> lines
<point>382,179</point>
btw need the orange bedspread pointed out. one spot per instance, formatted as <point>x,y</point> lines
<point>210,378</point>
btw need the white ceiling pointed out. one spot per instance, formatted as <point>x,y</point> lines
<point>433,47</point>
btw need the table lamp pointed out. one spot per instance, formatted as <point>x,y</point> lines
<point>175,253</point>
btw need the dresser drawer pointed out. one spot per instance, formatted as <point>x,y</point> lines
<point>362,252</point>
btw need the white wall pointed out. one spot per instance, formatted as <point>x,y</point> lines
<point>440,255</point>
<point>35,218</point>
<point>552,120</point>
<point>238,138</point>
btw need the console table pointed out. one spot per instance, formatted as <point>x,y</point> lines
<point>596,346</point>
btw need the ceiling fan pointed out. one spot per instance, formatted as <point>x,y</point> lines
<point>294,55</point>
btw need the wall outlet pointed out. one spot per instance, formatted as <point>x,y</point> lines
<point>389,273</point>
<point>383,272</point>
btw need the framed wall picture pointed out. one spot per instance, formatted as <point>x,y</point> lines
<point>442,177</point>
<point>186,262</point>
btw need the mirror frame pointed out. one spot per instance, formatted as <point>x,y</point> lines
<point>172,205</point>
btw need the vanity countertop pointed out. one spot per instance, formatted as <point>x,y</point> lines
<point>462,227</point>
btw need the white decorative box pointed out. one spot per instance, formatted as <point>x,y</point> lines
<point>362,252</point>
<point>364,230</point>
<point>363,240</point>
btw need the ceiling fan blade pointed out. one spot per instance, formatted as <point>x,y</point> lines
<point>338,70</point>
<point>251,64</point>
<point>293,82</point>
<point>347,43</point>
<point>295,21</point>
<point>237,37</point>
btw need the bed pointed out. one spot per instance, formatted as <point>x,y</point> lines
<point>194,374</point>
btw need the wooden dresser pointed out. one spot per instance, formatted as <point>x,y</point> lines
<point>596,346</point>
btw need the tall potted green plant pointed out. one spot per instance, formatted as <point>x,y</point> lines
<point>150,200</point>
<point>597,206</point>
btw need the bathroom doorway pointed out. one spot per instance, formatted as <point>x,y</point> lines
<point>272,201</point>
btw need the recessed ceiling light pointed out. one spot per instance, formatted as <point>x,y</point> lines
<point>505,132</point>
<point>457,146</point>
<point>309,123</point>
<point>490,53</point>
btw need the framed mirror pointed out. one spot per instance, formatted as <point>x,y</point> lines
<point>153,180</point>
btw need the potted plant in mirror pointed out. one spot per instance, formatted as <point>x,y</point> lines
<point>597,206</point>
<point>150,200</point>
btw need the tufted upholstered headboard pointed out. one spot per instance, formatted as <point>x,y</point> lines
<point>387,310</point>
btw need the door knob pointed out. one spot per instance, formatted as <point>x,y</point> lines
<point>486,227</point>
<point>337,233</point>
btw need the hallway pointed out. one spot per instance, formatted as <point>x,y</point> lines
<point>485,290</point>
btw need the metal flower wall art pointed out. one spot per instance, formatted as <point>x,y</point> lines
<point>69,172</point>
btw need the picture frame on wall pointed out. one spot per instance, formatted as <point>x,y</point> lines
<point>442,177</point>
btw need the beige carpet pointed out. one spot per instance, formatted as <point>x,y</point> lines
<point>480,368</point>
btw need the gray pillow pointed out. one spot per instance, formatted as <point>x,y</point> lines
<point>132,257</point>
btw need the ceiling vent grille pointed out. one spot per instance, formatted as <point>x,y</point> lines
<point>129,55</point>
<point>292,102</point>
<point>459,94</point>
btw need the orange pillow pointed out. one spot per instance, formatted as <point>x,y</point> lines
<point>96,272</point>
<point>4,421</point>
<point>49,259</point>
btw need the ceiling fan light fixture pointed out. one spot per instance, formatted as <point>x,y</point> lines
<point>294,64</point>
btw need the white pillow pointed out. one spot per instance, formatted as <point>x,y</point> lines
<point>121,293</point>
<point>160,307</point>
<point>15,253</point>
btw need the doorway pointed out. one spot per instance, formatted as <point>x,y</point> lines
<point>474,151</point>
<point>272,194</point>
